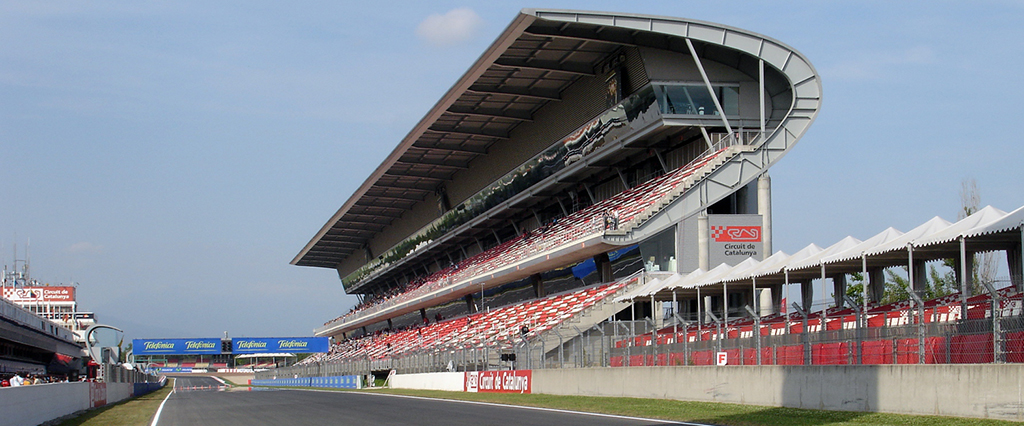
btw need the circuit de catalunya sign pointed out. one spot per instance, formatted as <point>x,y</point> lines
<point>506,381</point>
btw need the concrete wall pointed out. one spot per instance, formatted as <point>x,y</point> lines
<point>32,405</point>
<point>430,381</point>
<point>964,390</point>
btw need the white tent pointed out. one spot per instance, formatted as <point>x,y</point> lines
<point>926,229</point>
<point>858,250</point>
<point>980,219</point>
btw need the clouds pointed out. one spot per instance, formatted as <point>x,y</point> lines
<point>84,248</point>
<point>455,27</point>
<point>870,65</point>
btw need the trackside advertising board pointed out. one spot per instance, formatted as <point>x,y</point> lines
<point>504,381</point>
<point>176,346</point>
<point>263,345</point>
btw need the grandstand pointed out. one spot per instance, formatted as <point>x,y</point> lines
<point>581,152</point>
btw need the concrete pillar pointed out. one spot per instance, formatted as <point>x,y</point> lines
<point>920,276</point>
<point>470,306</point>
<point>764,208</point>
<point>604,267</point>
<point>839,286</point>
<point>1015,264</point>
<point>538,285</point>
<point>423,314</point>
<point>703,239</point>
<point>806,295</point>
<point>708,307</point>
<point>390,325</point>
<point>876,284</point>
<point>657,313</point>
<point>776,296</point>
<point>766,300</point>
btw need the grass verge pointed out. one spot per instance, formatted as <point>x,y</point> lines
<point>136,411</point>
<point>701,412</point>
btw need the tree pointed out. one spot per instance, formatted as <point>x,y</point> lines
<point>855,288</point>
<point>984,270</point>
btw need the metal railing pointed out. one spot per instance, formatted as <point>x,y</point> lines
<point>987,330</point>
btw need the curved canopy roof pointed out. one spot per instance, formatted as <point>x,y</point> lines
<point>539,55</point>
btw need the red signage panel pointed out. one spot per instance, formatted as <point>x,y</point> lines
<point>506,381</point>
<point>736,234</point>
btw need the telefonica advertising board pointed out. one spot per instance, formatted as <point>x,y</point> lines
<point>262,345</point>
<point>176,346</point>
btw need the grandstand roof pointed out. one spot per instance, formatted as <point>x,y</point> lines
<point>538,55</point>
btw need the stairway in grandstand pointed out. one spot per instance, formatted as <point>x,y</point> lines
<point>584,319</point>
<point>667,192</point>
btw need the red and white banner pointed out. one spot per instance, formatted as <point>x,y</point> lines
<point>506,381</point>
<point>98,394</point>
<point>736,234</point>
<point>40,294</point>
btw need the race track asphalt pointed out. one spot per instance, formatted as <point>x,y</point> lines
<point>305,407</point>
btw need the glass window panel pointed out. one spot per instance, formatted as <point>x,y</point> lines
<point>695,99</point>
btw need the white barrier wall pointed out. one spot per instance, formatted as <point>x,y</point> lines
<point>964,390</point>
<point>32,405</point>
<point>430,381</point>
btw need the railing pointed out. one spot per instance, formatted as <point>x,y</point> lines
<point>936,332</point>
<point>718,144</point>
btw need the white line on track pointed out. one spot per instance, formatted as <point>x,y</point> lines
<point>156,418</point>
<point>553,410</point>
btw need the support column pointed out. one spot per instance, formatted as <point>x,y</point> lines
<point>470,306</point>
<point>658,315</point>
<point>1015,263</point>
<point>968,280</point>
<point>753,300</point>
<point>423,314</point>
<point>708,307</point>
<point>538,285</point>
<point>806,295</point>
<point>767,301</point>
<point>764,208</point>
<point>839,288</point>
<point>876,284</point>
<point>604,267</point>
<point>776,295</point>
<point>703,239</point>
<point>920,276</point>
<point>390,325</point>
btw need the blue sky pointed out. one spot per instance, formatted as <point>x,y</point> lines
<point>172,157</point>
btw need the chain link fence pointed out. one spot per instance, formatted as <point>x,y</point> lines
<point>951,332</point>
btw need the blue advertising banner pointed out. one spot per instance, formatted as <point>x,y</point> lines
<point>174,370</point>
<point>341,382</point>
<point>176,346</point>
<point>263,345</point>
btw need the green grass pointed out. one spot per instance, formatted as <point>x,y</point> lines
<point>700,412</point>
<point>136,411</point>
